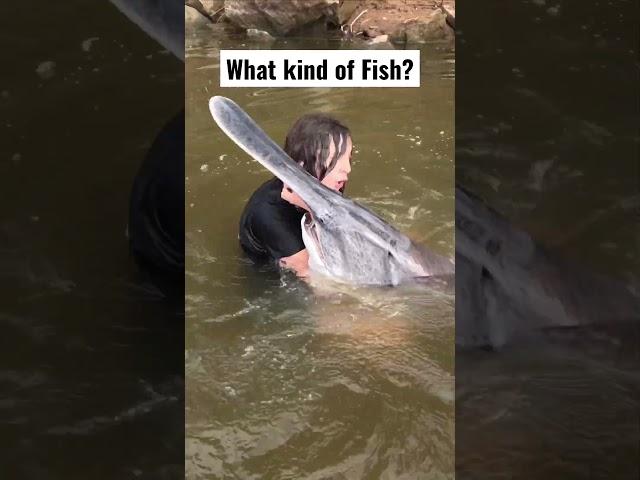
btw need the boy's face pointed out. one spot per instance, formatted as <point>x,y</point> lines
<point>337,178</point>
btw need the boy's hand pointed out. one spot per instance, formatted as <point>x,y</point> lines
<point>293,198</point>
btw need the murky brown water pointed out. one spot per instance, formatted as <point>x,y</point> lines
<point>290,381</point>
<point>91,371</point>
<point>547,133</point>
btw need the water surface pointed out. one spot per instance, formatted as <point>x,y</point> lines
<point>547,134</point>
<point>92,358</point>
<point>288,380</point>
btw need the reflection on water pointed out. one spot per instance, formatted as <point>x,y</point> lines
<point>289,380</point>
<point>91,372</point>
<point>547,134</point>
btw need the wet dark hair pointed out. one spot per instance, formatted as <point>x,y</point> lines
<point>309,139</point>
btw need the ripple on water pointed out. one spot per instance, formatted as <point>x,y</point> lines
<point>345,380</point>
<point>289,380</point>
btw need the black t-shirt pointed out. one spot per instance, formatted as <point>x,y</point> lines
<point>270,226</point>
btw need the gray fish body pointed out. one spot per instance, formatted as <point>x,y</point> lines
<point>355,244</point>
<point>508,286</point>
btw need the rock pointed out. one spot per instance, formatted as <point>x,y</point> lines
<point>259,35</point>
<point>193,18</point>
<point>212,6</point>
<point>277,17</point>
<point>420,31</point>
<point>208,8</point>
<point>379,39</point>
<point>381,42</point>
<point>417,21</point>
<point>371,32</point>
<point>449,9</point>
